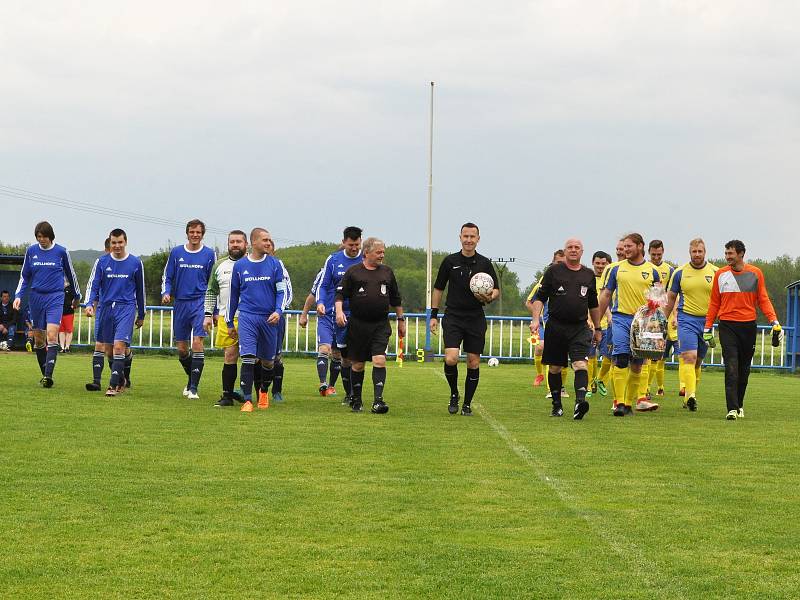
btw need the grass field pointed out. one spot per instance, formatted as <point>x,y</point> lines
<point>150,495</point>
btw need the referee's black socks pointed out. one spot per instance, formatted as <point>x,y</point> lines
<point>581,383</point>
<point>451,374</point>
<point>378,381</point>
<point>471,384</point>
<point>554,381</point>
<point>356,382</point>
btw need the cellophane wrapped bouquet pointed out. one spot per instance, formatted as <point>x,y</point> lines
<point>649,327</point>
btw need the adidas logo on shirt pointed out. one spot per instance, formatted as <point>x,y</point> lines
<point>245,272</point>
<point>35,256</point>
<point>180,259</point>
<point>108,268</point>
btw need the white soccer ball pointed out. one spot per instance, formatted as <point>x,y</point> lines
<point>493,362</point>
<point>481,283</point>
<point>3,346</point>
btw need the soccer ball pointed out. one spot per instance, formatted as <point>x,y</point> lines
<point>3,346</point>
<point>481,283</point>
<point>493,362</point>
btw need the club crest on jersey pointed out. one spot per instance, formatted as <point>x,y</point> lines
<point>383,289</point>
<point>709,278</point>
<point>584,289</point>
<point>645,275</point>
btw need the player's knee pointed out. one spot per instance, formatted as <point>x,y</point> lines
<point>379,361</point>
<point>357,367</point>
<point>473,361</point>
<point>580,365</point>
<point>622,361</point>
<point>323,353</point>
<point>554,369</point>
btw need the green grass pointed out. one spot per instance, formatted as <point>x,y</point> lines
<point>150,495</point>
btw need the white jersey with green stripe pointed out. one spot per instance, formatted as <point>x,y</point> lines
<point>219,286</point>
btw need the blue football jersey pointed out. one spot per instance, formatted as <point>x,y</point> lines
<point>118,281</point>
<point>332,272</point>
<point>187,272</point>
<point>44,271</point>
<point>257,287</point>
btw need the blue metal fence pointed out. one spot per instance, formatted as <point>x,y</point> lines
<point>507,338</point>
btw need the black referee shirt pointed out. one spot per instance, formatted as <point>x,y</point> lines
<point>570,293</point>
<point>371,292</point>
<point>454,273</point>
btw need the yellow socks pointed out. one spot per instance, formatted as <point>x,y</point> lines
<point>644,386</point>
<point>564,374</point>
<point>688,378</point>
<point>634,384</point>
<point>660,374</point>
<point>682,383</point>
<point>537,361</point>
<point>605,369</point>
<point>620,377</point>
<point>592,368</point>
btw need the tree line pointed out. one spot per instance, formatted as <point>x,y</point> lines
<point>303,262</point>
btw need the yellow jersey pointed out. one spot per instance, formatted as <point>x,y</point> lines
<point>630,282</point>
<point>599,286</point>
<point>693,287</point>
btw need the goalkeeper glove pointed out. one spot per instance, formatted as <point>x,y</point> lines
<point>708,338</point>
<point>777,334</point>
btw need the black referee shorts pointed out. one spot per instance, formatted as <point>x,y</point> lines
<point>469,329</point>
<point>366,339</point>
<point>566,343</point>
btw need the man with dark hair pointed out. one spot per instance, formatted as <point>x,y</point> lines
<point>8,319</point>
<point>44,269</point>
<point>597,382</point>
<point>570,290</point>
<point>654,369</point>
<point>372,290</point>
<point>186,276</point>
<point>465,321</point>
<point>102,351</point>
<point>257,291</point>
<point>216,303</point>
<point>331,338</point>
<point>117,284</point>
<point>736,291</point>
<point>630,279</point>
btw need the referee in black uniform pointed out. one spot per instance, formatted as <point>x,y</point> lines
<point>465,320</point>
<point>372,290</point>
<point>571,291</point>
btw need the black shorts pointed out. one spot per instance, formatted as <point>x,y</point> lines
<point>566,343</point>
<point>469,329</point>
<point>366,339</point>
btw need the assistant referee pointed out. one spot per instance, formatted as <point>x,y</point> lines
<point>571,292</point>
<point>372,290</point>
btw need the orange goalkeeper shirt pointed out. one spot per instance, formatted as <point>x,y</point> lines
<point>735,295</point>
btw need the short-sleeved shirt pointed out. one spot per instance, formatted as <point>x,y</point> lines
<point>693,287</point>
<point>570,293</point>
<point>455,273</point>
<point>371,292</point>
<point>631,283</point>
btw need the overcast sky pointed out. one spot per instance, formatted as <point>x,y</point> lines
<point>552,119</point>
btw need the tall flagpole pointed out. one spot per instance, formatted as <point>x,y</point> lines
<point>429,258</point>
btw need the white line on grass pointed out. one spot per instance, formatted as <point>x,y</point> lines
<point>626,550</point>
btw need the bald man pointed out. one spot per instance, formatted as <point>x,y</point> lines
<point>571,292</point>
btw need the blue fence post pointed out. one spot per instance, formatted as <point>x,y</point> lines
<point>791,344</point>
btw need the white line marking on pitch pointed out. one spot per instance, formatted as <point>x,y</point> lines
<point>625,549</point>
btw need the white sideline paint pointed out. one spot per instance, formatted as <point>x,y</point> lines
<point>628,552</point>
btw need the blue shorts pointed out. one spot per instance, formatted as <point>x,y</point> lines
<point>329,332</point>
<point>690,334</point>
<point>116,323</point>
<point>602,347</point>
<point>46,308</point>
<point>621,337</point>
<point>257,337</point>
<point>187,320</point>
<point>542,327</point>
<point>97,318</point>
<point>672,346</point>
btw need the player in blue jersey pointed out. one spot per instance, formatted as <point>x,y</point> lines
<point>258,292</point>
<point>102,351</point>
<point>331,338</point>
<point>44,269</point>
<point>277,382</point>
<point>185,281</point>
<point>117,285</point>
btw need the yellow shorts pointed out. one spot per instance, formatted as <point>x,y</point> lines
<point>222,339</point>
